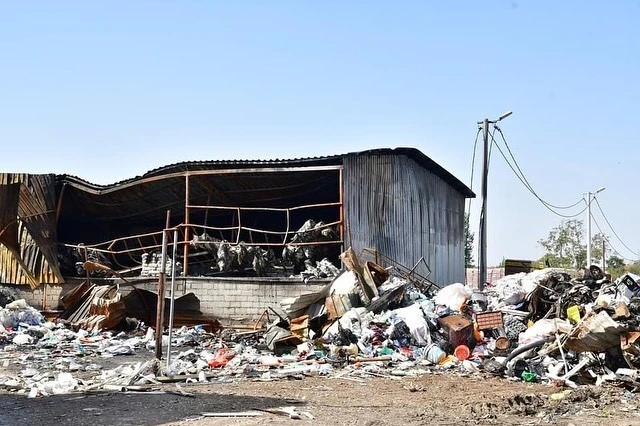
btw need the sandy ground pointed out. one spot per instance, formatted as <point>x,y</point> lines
<point>437,399</point>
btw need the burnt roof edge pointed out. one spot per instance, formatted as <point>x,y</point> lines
<point>337,159</point>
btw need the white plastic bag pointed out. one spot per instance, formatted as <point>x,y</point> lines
<point>453,296</point>
<point>415,321</point>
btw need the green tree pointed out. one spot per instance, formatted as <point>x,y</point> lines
<point>565,246</point>
<point>615,266</point>
<point>468,243</point>
<point>597,243</point>
<point>615,262</point>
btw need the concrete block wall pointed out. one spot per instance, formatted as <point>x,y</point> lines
<point>246,298</point>
<point>44,297</point>
<point>225,298</point>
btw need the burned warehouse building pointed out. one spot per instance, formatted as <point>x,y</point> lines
<point>261,221</point>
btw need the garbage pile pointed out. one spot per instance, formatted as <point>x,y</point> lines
<point>545,326</point>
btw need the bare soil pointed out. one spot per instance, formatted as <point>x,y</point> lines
<point>435,399</point>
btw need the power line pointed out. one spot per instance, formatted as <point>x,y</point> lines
<point>525,178</point>
<point>613,230</point>
<point>473,158</point>
<point>491,148</point>
<point>528,186</point>
<point>608,241</point>
<point>473,164</point>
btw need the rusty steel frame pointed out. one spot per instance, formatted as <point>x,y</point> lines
<point>186,230</point>
<point>341,201</point>
<point>410,274</point>
<point>187,225</point>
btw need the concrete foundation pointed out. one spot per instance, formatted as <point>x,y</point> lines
<point>227,298</point>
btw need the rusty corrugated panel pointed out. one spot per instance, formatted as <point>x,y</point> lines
<point>37,211</point>
<point>32,259</point>
<point>400,208</point>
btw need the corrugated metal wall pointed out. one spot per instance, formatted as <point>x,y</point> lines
<point>29,256</point>
<point>394,205</point>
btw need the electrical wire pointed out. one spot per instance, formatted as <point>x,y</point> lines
<point>611,227</point>
<point>608,241</point>
<point>491,149</point>
<point>473,158</point>
<point>473,164</point>
<point>526,185</point>
<point>526,181</point>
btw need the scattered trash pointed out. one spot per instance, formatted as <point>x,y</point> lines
<point>546,326</point>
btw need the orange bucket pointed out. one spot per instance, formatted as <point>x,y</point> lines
<point>462,352</point>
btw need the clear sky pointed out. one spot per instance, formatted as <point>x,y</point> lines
<point>108,90</point>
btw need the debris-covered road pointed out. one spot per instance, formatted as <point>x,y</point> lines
<point>433,399</point>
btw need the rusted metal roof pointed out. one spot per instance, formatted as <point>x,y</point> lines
<point>331,160</point>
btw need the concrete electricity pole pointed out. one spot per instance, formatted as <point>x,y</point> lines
<point>482,261</point>
<point>590,196</point>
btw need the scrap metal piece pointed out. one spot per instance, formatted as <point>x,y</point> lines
<point>596,334</point>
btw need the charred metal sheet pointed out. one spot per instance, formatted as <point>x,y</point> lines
<point>27,248</point>
<point>400,208</point>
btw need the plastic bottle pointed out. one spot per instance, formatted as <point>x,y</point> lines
<point>529,377</point>
<point>433,353</point>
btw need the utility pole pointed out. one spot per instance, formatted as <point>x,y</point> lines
<point>482,277</point>
<point>482,261</point>
<point>590,196</point>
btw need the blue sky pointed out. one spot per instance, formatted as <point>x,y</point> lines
<point>108,90</point>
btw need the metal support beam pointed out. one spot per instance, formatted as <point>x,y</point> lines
<point>185,267</point>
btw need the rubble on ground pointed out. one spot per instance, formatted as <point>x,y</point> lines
<point>544,326</point>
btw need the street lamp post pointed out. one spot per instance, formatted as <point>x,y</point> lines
<point>482,261</point>
<point>590,196</point>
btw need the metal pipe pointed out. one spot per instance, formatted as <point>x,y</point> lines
<point>341,207</point>
<point>239,226</point>
<point>522,349</point>
<point>286,234</point>
<point>276,209</point>
<point>161,279</point>
<point>185,255</point>
<point>44,296</point>
<point>173,291</point>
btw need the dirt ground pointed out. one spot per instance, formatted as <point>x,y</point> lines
<point>436,399</point>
